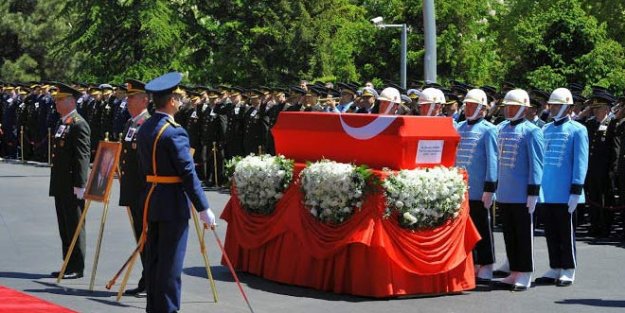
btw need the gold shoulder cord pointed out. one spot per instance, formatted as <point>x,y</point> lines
<point>144,231</point>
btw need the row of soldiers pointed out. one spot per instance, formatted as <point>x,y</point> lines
<point>225,122</point>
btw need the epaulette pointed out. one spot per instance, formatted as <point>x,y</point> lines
<point>69,120</point>
<point>172,122</point>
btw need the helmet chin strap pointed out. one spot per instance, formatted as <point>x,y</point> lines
<point>561,112</point>
<point>518,115</point>
<point>389,107</point>
<point>476,113</point>
<point>431,110</point>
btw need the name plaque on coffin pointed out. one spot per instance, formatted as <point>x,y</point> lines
<point>396,142</point>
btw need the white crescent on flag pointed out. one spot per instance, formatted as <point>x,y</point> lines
<point>370,130</point>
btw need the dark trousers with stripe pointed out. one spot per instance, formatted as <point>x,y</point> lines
<point>484,252</point>
<point>165,250</point>
<point>518,234</point>
<point>68,211</point>
<point>560,235</point>
<point>136,210</point>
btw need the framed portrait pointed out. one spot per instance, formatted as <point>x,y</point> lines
<point>103,170</point>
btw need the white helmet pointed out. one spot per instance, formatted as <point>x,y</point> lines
<point>476,96</point>
<point>517,97</point>
<point>390,94</point>
<point>561,96</point>
<point>431,95</point>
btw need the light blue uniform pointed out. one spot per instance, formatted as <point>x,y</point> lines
<point>566,161</point>
<point>520,146</point>
<point>477,153</point>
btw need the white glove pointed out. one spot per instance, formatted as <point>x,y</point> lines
<point>573,201</point>
<point>208,217</point>
<point>531,204</point>
<point>79,192</point>
<point>487,198</point>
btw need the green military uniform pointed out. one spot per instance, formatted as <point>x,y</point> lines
<point>131,183</point>
<point>70,167</point>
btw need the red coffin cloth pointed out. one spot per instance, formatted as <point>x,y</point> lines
<point>367,255</point>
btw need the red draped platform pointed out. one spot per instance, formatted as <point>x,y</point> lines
<point>367,255</point>
<point>13,301</point>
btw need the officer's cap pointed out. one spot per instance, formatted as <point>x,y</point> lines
<point>577,98</point>
<point>346,88</point>
<point>66,91</point>
<point>369,92</point>
<point>507,86</point>
<point>234,91</point>
<point>405,99</point>
<point>255,93</point>
<point>576,87</point>
<point>330,93</point>
<point>165,84</point>
<point>413,93</point>
<point>602,98</point>
<point>298,90</point>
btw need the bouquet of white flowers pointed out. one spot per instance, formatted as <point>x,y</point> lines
<point>333,191</point>
<point>260,181</point>
<point>424,198</point>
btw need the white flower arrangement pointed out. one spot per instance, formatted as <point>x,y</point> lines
<point>424,198</point>
<point>334,191</point>
<point>261,180</point>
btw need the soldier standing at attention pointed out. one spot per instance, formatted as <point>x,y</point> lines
<point>68,175</point>
<point>166,162</point>
<point>477,153</point>
<point>131,182</point>
<point>565,166</point>
<point>520,173</point>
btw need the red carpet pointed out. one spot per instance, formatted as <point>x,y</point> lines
<point>18,302</point>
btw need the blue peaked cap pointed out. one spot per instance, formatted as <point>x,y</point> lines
<point>164,84</point>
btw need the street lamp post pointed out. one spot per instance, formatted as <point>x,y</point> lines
<point>404,45</point>
<point>429,29</point>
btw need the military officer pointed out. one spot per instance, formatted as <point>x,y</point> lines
<point>131,182</point>
<point>520,169</point>
<point>477,153</point>
<point>565,166</point>
<point>256,126</point>
<point>369,98</point>
<point>9,123</point>
<point>212,139</point>
<point>234,110</point>
<point>273,110</point>
<point>596,118</point>
<point>68,175</point>
<point>165,160</point>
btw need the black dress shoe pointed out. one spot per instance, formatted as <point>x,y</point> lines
<point>134,292</point>
<point>564,283</point>
<point>544,281</point>
<point>483,281</point>
<point>74,275</point>
<point>516,288</point>
<point>67,275</point>
<point>141,294</point>
<point>500,274</point>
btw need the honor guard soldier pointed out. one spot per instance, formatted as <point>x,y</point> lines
<point>68,176</point>
<point>617,174</point>
<point>564,172</point>
<point>166,162</point>
<point>520,172</point>
<point>131,182</point>
<point>477,153</point>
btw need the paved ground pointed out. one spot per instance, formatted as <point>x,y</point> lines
<point>30,250</point>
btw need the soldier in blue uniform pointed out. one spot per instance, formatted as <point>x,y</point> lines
<point>165,160</point>
<point>131,183</point>
<point>477,153</point>
<point>565,166</point>
<point>520,173</point>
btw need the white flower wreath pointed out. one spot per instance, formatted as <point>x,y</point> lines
<point>333,191</point>
<point>424,198</point>
<point>261,180</point>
